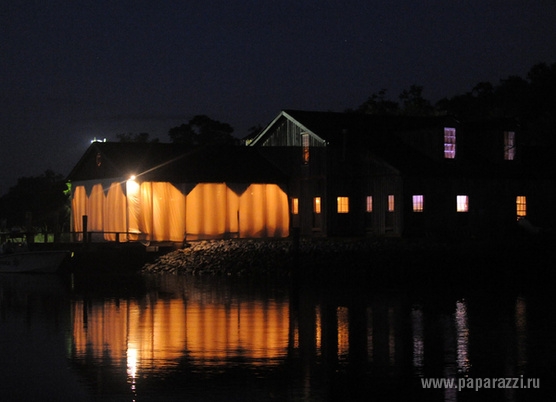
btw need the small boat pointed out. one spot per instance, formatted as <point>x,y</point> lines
<point>32,261</point>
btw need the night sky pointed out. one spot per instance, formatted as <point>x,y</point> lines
<point>74,70</point>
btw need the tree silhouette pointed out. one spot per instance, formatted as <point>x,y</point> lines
<point>377,104</point>
<point>44,197</point>
<point>131,137</point>
<point>202,130</point>
<point>413,103</point>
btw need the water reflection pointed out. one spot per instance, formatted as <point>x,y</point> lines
<point>181,320</point>
<point>417,327</point>
<point>521,333</point>
<point>204,337</point>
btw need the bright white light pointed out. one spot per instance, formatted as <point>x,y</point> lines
<point>132,362</point>
<point>132,177</point>
<point>95,139</point>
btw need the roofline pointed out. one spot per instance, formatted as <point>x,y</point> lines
<point>285,114</point>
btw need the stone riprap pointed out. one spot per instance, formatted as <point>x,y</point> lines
<point>253,257</point>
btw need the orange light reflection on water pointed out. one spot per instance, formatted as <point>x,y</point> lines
<point>157,335</point>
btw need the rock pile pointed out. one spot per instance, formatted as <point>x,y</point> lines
<point>225,257</point>
<point>243,257</point>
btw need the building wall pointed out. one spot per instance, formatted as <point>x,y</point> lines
<point>161,211</point>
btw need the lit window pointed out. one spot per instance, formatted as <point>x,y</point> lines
<point>462,203</point>
<point>316,205</point>
<point>509,145</point>
<point>295,206</point>
<point>449,143</point>
<point>391,203</point>
<point>521,206</point>
<point>305,147</point>
<point>417,203</point>
<point>343,205</point>
<point>369,203</point>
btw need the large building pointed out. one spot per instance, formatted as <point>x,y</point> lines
<point>321,173</point>
<point>355,174</point>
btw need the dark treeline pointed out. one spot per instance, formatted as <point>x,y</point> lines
<point>40,201</point>
<point>530,101</point>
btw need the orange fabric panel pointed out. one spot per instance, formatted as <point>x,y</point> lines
<point>251,213</point>
<point>115,211</point>
<point>95,209</point>
<point>264,211</point>
<point>277,213</point>
<point>161,212</point>
<point>207,211</point>
<point>78,209</point>
<point>146,210</point>
<point>168,206</point>
<point>133,193</point>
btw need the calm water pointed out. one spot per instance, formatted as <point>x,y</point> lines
<point>169,338</point>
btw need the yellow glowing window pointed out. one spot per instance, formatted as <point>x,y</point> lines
<point>521,206</point>
<point>369,203</point>
<point>295,206</point>
<point>343,205</point>
<point>449,143</point>
<point>462,203</point>
<point>391,203</point>
<point>417,203</point>
<point>305,146</point>
<point>316,205</point>
<point>509,145</point>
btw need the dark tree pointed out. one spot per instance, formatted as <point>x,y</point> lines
<point>44,199</point>
<point>202,130</point>
<point>530,101</point>
<point>413,103</point>
<point>252,132</point>
<point>131,137</point>
<point>183,134</point>
<point>377,104</point>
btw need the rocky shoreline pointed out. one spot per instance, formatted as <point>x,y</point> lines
<point>365,261</point>
<point>242,257</point>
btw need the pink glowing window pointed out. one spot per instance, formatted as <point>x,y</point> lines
<point>449,143</point>
<point>369,203</point>
<point>417,203</point>
<point>462,203</point>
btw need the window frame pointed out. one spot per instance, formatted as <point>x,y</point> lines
<point>305,147</point>
<point>391,203</point>
<point>509,145</point>
<point>317,205</point>
<point>521,206</point>
<point>450,141</point>
<point>418,202</point>
<point>342,205</point>
<point>295,206</point>
<point>462,203</point>
<point>369,204</point>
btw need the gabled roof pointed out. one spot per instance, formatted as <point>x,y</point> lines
<point>377,134</point>
<point>174,163</point>
<point>331,126</point>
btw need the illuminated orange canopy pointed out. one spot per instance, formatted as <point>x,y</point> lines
<point>160,211</point>
<point>177,192</point>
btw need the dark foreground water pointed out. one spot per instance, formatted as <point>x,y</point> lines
<point>172,338</point>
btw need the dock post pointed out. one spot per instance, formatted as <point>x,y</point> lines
<point>84,223</point>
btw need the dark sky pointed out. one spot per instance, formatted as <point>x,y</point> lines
<point>74,70</point>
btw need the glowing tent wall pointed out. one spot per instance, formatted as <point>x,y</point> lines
<point>160,211</point>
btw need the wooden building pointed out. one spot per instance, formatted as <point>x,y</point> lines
<point>354,174</point>
<point>324,174</point>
